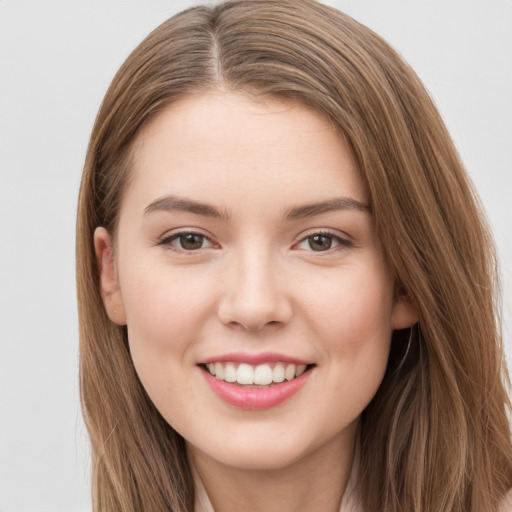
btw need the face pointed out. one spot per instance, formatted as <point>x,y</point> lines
<point>247,270</point>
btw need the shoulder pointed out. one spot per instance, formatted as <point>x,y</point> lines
<point>506,503</point>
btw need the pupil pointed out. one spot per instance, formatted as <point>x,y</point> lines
<point>320,242</point>
<point>191,241</point>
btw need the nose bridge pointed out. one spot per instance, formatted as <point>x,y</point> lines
<point>254,296</point>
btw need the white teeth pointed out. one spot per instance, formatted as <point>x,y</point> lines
<point>230,372</point>
<point>260,375</point>
<point>289,373</point>
<point>263,375</point>
<point>301,368</point>
<point>245,374</point>
<point>278,373</point>
<point>219,371</point>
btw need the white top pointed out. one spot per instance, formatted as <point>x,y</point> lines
<point>348,502</point>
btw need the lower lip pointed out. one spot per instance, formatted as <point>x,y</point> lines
<point>255,399</point>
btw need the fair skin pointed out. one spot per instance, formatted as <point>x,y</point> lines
<point>221,257</point>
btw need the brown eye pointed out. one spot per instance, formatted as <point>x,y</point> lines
<point>191,241</point>
<point>187,242</point>
<point>320,242</point>
<point>323,242</point>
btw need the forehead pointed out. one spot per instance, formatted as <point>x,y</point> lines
<point>219,144</point>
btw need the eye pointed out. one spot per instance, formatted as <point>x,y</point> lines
<point>187,242</point>
<point>322,242</point>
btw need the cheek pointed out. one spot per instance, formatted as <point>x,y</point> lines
<point>359,342</point>
<point>164,315</point>
<point>164,312</point>
<point>352,323</point>
<point>352,311</point>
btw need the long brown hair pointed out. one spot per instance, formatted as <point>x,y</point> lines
<point>436,436</point>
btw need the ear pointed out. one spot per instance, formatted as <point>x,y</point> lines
<point>109,282</point>
<point>404,313</point>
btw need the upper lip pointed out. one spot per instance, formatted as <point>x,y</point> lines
<point>254,359</point>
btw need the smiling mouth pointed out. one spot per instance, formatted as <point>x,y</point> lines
<point>256,376</point>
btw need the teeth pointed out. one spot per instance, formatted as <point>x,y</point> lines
<point>278,373</point>
<point>263,375</point>
<point>260,375</point>
<point>301,368</point>
<point>219,371</point>
<point>230,373</point>
<point>245,374</point>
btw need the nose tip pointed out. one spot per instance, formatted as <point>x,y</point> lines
<point>256,314</point>
<point>253,300</point>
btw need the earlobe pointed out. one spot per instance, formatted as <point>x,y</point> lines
<point>109,282</point>
<point>404,313</point>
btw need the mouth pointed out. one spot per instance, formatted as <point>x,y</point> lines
<point>257,386</point>
<point>256,376</point>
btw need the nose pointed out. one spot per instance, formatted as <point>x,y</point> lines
<point>254,295</point>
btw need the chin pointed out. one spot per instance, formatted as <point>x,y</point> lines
<point>264,449</point>
<point>257,459</point>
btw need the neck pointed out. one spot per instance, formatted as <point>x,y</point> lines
<point>315,482</point>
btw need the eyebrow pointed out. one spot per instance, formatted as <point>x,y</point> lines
<point>339,203</point>
<point>173,203</point>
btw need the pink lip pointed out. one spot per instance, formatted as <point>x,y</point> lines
<point>255,359</point>
<point>249,398</point>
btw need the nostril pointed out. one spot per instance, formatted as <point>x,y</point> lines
<point>255,327</point>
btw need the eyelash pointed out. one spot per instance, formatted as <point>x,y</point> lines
<point>168,241</point>
<point>342,243</point>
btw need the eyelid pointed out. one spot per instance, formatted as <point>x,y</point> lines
<point>169,236</point>
<point>343,240</point>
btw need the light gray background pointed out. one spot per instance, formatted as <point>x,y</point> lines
<point>57,58</point>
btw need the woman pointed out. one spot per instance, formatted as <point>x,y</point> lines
<point>285,283</point>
